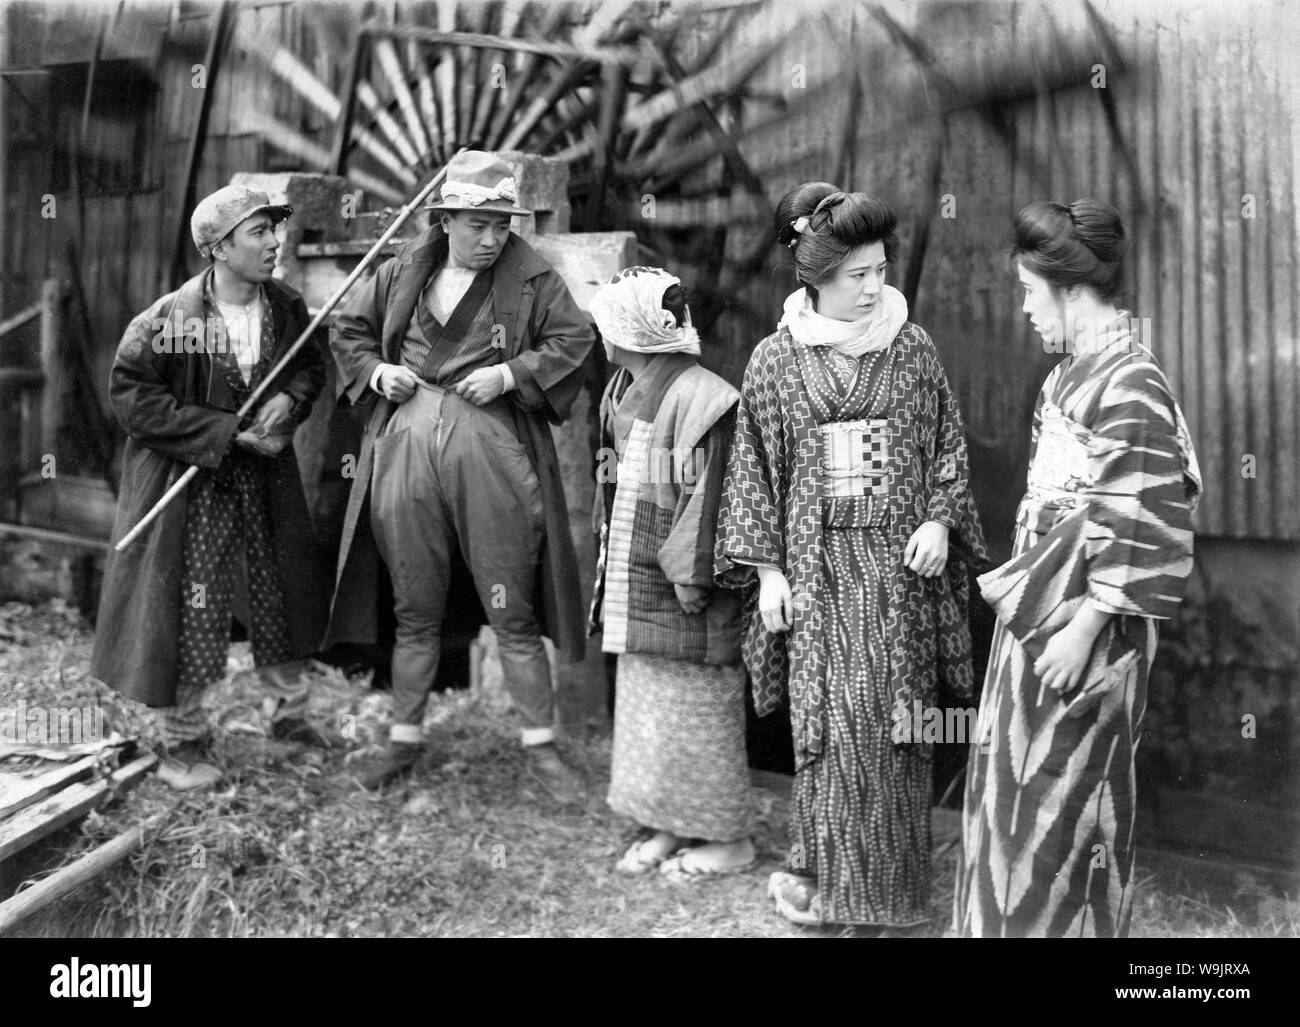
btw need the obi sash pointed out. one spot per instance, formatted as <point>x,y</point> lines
<point>855,458</point>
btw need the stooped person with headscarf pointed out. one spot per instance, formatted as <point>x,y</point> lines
<point>679,768</point>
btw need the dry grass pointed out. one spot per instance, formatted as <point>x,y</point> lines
<point>289,845</point>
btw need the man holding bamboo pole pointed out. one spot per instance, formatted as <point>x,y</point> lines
<point>469,347</point>
<point>239,541</point>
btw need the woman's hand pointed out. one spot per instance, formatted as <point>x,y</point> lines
<point>927,549</point>
<point>775,600</point>
<point>1065,657</point>
<point>692,598</point>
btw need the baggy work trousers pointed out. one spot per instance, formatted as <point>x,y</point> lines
<point>448,471</point>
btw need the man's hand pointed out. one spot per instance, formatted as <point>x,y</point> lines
<point>274,418</point>
<point>927,549</point>
<point>397,382</point>
<point>692,598</point>
<point>263,445</point>
<point>482,386</point>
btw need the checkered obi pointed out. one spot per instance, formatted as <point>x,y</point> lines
<point>855,458</point>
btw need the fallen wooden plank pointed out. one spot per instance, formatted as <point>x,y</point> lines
<point>74,875</point>
<point>23,791</point>
<point>74,802</point>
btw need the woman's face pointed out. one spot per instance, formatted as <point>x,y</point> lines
<point>853,289</point>
<point>1045,305</point>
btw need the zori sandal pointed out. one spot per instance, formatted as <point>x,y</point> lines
<point>680,867</point>
<point>796,898</point>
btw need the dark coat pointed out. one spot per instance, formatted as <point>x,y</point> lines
<point>178,411</point>
<point>547,340</point>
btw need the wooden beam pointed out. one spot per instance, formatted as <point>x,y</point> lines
<point>71,804</point>
<point>628,55</point>
<point>48,535</point>
<point>338,150</point>
<point>21,318</point>
<point>68,879</point>
<point>391,67</point>
<point>48,430</point>
<point>33,789</point>
<point>222,21</point>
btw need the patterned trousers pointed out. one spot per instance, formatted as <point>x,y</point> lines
<point>227,538</point>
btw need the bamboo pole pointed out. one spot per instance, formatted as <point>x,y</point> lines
<point>73,876</point>
<point>316,322</point>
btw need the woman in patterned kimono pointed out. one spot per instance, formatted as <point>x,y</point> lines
<point>680,768</point>
<point>847,497</point>
<point>1103,547</point>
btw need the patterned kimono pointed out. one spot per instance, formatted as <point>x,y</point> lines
<point>1106,520</point>
<point>679,761</point>
<point>869,637</point>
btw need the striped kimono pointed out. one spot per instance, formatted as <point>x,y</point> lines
<point>1106,520</point>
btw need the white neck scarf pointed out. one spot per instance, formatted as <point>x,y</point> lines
<point>868,334</point>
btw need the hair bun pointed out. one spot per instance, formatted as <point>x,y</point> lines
<point>1081,243</point>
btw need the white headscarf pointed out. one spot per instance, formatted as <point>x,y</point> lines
<point>869,333</point>
<point>630,315</point>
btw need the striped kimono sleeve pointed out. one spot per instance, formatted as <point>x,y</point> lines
<point>752,518</point>
<point>1139,536</point>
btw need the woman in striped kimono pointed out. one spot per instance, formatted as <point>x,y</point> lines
<point>680,769</point>
<point>848,499</point>
<point>1103,547</point>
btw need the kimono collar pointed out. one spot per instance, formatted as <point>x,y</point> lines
<point>868,334</point>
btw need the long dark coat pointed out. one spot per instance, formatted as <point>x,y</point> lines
<point>177,410</point>
<point>547,339</point>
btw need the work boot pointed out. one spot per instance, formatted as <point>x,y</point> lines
<point>398,761</point>
<point>304,732</point>
<point>186,768</point>
<point>548,768</point>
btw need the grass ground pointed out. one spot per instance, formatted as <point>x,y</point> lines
<point>289,845</point>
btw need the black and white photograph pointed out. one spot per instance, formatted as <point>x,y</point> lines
<point>651,469</point>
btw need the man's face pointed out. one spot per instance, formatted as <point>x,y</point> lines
<point>476,239</point>
<point>249,251</point>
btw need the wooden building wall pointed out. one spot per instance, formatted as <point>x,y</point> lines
<point>128,223</point>
<point>1196,118</point>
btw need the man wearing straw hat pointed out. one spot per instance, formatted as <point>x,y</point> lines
<point>239,540</point>
<point>470,347</point>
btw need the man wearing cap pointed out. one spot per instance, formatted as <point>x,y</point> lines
<point>239,541</point>
<point>470,347</point>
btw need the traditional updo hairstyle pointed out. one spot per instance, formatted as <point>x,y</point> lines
<point>838,222</point>
<point>1082,243</point>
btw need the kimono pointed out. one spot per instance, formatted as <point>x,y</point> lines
<point>679,760</point>
<point>1106,520</point>
<point>869,637</point>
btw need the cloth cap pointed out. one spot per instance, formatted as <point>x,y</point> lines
<point>479,181</point>
<point>629,311</point>
<point>218,215</point>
